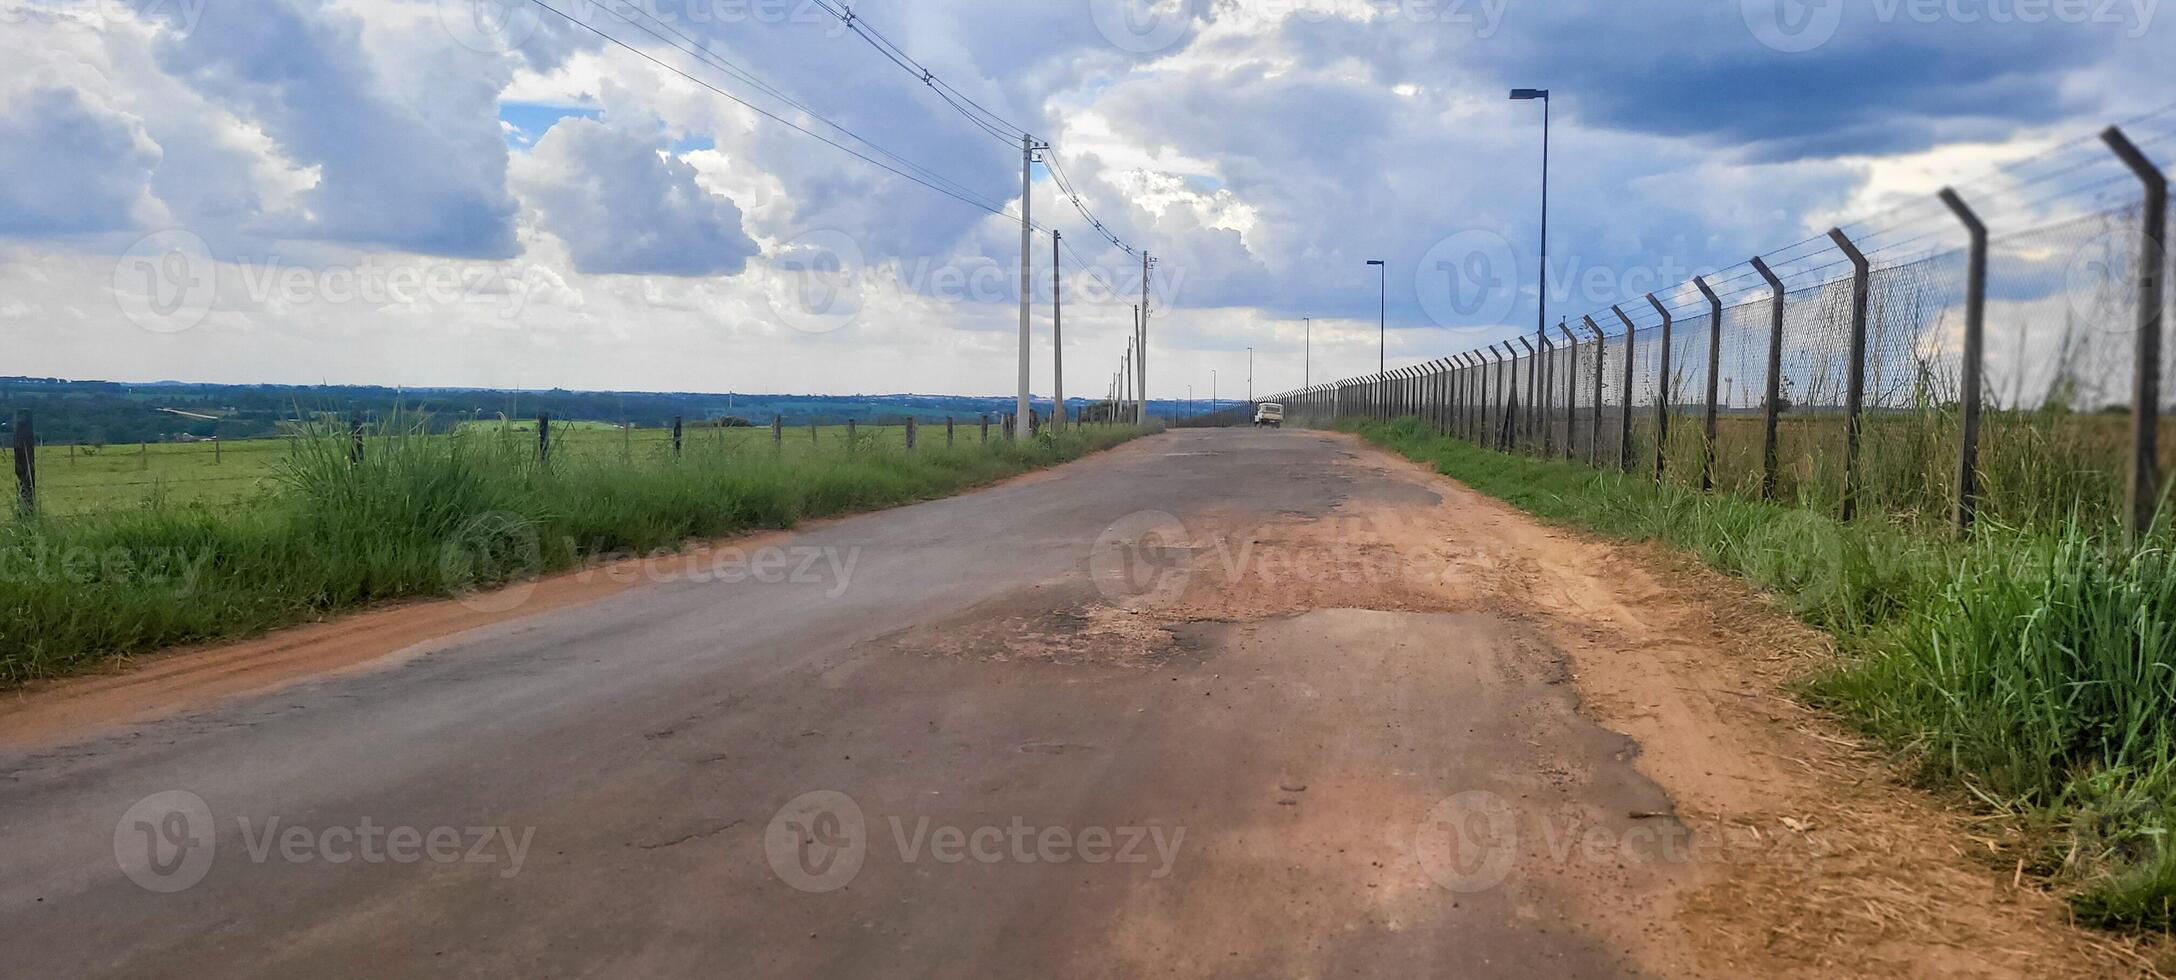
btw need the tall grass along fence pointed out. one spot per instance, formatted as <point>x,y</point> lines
<point>1991,352</point>
<point>352,517</point>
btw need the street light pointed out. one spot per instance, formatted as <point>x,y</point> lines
<point>1307,354</point>
<point>1541,316</point>
<point>1382,313</point>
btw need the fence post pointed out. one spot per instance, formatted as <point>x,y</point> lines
<point>1545,415</point>
<point>849,435</point>
<point>1624,420</point>
<point>1855,372</point>
<point>1662,390</point>
<point>1715,368</point>
<point>676,436</point>
<point>355,438</point>
<point>1571,387</point>
<point>1772,398</point>
<point>2145,477</point>
<point>1524,419</point>
<point>985,428</point>
<point>543,437</point>
<point>26,462</point>
<point>778,432</point>
<point>910,433</point>
<point>948,432</point>
<point>1601,364</point>
<point>1975,345</point>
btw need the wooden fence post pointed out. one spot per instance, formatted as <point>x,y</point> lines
<point>2145,477</point>
<point>1975,346</point>
<point>1772,399</point>
<point>1662,390</point>
<point>676,436</point>
<point>985,428</point>
<point>1624,421</point>
<point>1715,367</point>
<point>543,436</point>
<point>910,433</point>
<point>948,432</point>
<point>1855,372</point>
<point>778,432</point>
<point>850,431</point>
<point>355,438</point>
<point>26,462</point>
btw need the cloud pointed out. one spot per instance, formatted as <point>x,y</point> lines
<point>71,167</point>
<point>623,207</point>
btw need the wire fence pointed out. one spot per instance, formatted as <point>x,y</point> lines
<point>1861,391</point>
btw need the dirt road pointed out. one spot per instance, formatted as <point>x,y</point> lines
<point>1218,703</point>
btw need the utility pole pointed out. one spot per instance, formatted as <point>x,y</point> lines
<point>1147,264</point>
<point>1250,375</point>
<point>1027,244</point>
<point>1057,338</point>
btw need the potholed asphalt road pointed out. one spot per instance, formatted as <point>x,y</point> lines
<point>1003,734</point>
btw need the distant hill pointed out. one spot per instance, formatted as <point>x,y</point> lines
<point>107,412</point>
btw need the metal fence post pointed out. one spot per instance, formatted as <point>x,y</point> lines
<point>1601,364</point>
<point>1975,346</point>
<point>1855,372</point>
<point>1772,397</point>
<point>1624,421</point>
<point>1546,398</point>
<point>1715,368</point>
<point>2145,477</point>
<point>1526,411</point>
<point>26,462</point>
<point>1662,390</point>
<point>1571,387</point>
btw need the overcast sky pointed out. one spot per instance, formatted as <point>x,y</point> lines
<point>469,192</point>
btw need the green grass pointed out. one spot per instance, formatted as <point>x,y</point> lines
<point>89,479</point>
<point>2028,672</point>
<point>434,515</point>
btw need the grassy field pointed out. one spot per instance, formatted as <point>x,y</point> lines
<point>430,515</point>
<point>85,479</point>
<point>2027,672</point>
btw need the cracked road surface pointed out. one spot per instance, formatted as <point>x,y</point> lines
<point>1191,707</point>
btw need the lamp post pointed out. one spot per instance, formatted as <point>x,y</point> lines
<point>1382,313</point>
<point>1541,317</point>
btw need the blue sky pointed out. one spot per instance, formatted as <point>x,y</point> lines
<point>590,219</point>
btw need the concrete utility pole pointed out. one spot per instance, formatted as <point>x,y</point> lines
<point>1057,337</point>
<point>1147,264</point>
<point>1027,244</point>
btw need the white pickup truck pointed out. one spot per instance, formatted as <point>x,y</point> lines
<point>1270,414</point>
